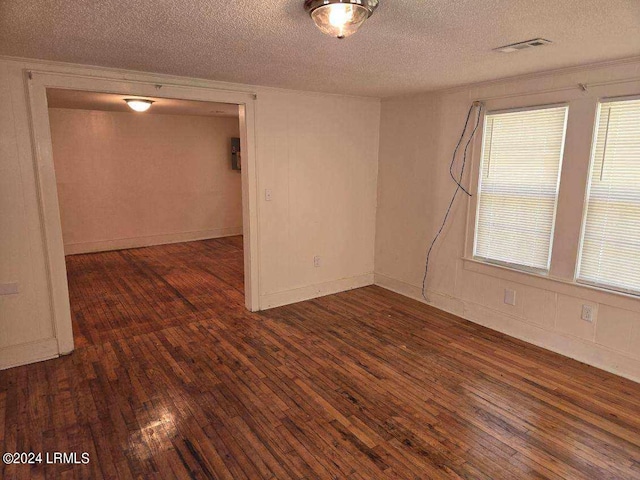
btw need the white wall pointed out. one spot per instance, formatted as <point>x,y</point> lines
<point>131,180</point>
<point>318,153</point>
<point>418,135</point>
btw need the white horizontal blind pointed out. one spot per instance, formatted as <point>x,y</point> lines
<point>610,253</point>
<point>518,186</point>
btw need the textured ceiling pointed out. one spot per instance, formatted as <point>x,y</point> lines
<point>58,98</point>
<point>407,46</point>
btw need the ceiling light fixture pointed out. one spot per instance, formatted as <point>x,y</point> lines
<point>138,105</point>
<point>340,18</point>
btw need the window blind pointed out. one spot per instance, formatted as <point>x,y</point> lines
<point>518,186</point>
<point>610,251</point>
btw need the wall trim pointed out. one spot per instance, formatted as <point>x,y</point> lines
<point>578,349</point>
<point>148,241</point>
<point>502,81</point>
<point>16,355</point>
<point>587,292</point>
<point>296,295</point>
<point>56,66</point>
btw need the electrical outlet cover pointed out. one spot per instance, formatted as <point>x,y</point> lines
<point>509,296</point>
<point>587,313</point>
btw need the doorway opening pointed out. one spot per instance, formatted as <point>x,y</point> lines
<point>151,211</point>
<point>148,218</point>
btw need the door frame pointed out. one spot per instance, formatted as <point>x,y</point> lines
<point>38,82</point>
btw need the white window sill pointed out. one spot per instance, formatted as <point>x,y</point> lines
<point>558,285</point>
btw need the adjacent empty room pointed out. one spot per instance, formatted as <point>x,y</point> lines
<point>150,208</point>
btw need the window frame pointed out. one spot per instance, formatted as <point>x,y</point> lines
<point>583,103</point>
<point>478,184</point>
<point>585,208</point>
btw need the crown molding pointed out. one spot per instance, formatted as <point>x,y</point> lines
<point>522,78</point>
<point>83,70</point>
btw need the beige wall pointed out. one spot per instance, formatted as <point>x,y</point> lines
<point>322,172</point>
<point>418,135</point>
<point>25,318</point>
<point>129,180</point>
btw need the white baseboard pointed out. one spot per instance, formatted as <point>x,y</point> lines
<point>572,347</point>
<point>443,302</point>
<point>25,353</point>
<point>137,242</point>
<point>313,291</point>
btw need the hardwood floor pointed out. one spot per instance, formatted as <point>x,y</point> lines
<point>125,293</point>
<point>172,378</point>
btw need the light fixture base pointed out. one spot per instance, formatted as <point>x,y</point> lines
<point>370,5</point>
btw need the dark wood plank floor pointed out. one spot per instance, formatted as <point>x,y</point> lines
<point>172,378</point>
<point>121,294</point>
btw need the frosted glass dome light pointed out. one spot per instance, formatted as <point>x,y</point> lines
<point>138,105</point>
<point>340,18</point>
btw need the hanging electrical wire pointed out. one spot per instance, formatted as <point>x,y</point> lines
<point>458,182</point>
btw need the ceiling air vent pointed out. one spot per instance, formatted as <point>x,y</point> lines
<point>514,47</point>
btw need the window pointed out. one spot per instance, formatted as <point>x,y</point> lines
<point>518,186</point>
<point>610,251</point>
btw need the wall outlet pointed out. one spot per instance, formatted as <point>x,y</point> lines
<point>316,261</point>
<point>509,296</point>
<point>587,313</point>
<point>268,195</point>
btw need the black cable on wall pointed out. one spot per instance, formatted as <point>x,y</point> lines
<point>458,182</point>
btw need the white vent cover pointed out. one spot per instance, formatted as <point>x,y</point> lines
<point>514,47</point>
